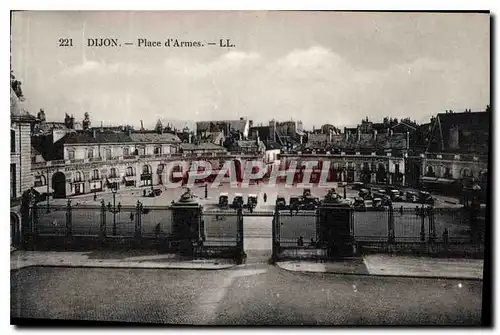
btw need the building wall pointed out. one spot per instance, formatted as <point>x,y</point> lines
<point>22,156</point>
<point>457,167</point>
<point>81,151</point>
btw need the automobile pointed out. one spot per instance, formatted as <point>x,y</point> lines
<point>359,204</point>
<point>237,201</point>
<point>358,185</point>
<point>252,201</point>
<point>280,202</point>
<point>223,200</point>
<point>396,195</point>
<point>425,198</point>
<point>381,191</point>
<point>295,202</point>
<point>378,204</point>
<point>364,193</point>
<point>411,196</point>
<point>155,192</point>
<point>310,203</point>
<point>368,205</point>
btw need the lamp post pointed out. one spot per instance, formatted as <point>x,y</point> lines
<point>115,209</point>
<point>48,191</point>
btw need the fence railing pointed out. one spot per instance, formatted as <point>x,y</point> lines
<point>435,229</point>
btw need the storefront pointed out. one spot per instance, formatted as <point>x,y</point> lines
<point>129,180</point>
<point>78,187</point>
<point>113,183</point>
<point>95,186</point>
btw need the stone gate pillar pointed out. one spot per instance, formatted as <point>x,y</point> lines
<point>187,226</point>
<point>336,227</point>
<point>28,220</point>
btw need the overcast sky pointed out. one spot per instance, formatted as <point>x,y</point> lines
<point>315,66</point>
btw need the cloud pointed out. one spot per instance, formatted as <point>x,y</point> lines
<point>314,84</point>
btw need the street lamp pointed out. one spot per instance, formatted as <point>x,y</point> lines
<point>115,209</point>
<point>48,192</point>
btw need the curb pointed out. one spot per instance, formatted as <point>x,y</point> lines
<point>382,275</point>
<point>117,266</point>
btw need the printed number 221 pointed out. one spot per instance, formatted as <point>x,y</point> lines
<point>65,42</point>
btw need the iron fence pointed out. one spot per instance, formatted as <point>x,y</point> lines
<point>434,230</point>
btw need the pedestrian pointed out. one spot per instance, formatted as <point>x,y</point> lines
<point>300,241</point>
<point>401,210</point>
<point>131,216</point>
<point>417,210</point>
<point>144,193</point>
<point>445,236</point>
<point>265,197</point>
<point>95,196</point>
<point>313,244</point>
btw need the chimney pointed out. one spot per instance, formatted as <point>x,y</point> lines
<point>129,131</point>
<point>94,134</point>
<point>331,134</point>
<point>190,138</point>
<point>374,134</point>
<point>359,134</point>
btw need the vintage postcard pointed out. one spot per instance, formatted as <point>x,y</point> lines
<point>250,167</point>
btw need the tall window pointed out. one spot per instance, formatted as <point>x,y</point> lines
<point>126,152</point>
<point>71,154</point>
<point>12,140</point>
<point>78,176</point>
<point>130,171</point>
<point>146,169</point>
<point>95,174</point>
<point>108,153</point>
<point>396,167</point>
<point>112,173</point>
<point>157,151</point>
<point>90,153</point>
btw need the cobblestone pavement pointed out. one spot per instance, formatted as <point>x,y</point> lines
<point>253,294</point>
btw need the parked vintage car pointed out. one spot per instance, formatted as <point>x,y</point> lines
<point>280,202</point>
<point>425,198</point>
<point>396,195</point>
<point>237,201</point>
<point>359,204</point>
<point>252,201</point>
<point>365,194</point>
<point>358,185</point>
<point>411,196</point>
<point>155,192</point>
<point>223,200</point>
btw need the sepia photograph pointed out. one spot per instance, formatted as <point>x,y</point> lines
<point>250,168</point>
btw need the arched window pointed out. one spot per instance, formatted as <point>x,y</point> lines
<point>112,173</point>
<point>78,176</point>
<point>90,153</point>
<point>95,174</point>
<point>130,171</point>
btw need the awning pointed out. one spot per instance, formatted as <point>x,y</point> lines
<point>113,180</point>
<point>129,178</point>
<point>43,189</point>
